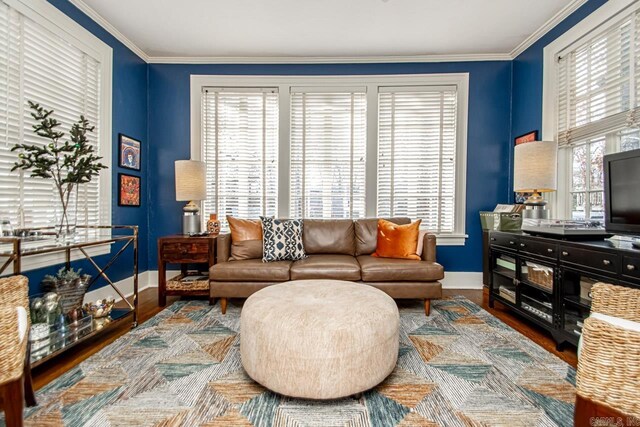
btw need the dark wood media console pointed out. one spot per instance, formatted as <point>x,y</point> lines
<point>547,280</point>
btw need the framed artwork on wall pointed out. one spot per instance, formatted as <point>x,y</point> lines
<point>519,197</point>
<point>129,152</point>
<point>128,190</point>
<point>527,137</point>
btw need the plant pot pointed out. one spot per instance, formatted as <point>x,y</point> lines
<point>71,293</point>
<point>67,216</point>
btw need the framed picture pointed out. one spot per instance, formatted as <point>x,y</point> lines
<point>520,198</point>
<point>129,152</point>
<point>128,190</point>
<point>527,137</point>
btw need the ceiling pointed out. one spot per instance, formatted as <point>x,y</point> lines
<point>208,29</point>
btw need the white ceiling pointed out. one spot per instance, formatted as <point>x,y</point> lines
<point>326,28</point>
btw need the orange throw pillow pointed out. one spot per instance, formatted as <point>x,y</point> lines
<point>397,241</point>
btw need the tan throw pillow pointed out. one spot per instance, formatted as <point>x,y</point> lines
<point>397,241</point>
<point>246,238</point>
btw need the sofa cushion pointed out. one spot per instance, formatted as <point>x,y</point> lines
<point>366,233</point>
<point>329,236</point>
<point>250,270</point>
<point>338,267</point>
<point>375,269</point>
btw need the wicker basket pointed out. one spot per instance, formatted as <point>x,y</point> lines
<point>539,275</point>
<point>609,363</point>
<point>177,284</point>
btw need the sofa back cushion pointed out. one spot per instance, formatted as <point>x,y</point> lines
<point>329,236</point>
<point>366,233</point>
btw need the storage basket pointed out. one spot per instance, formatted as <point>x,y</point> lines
<point>609,363</point>
<point>501,221</point>
<point>540,275</point>
<point>178,284</point>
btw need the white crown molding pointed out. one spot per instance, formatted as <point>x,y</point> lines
<point>327,59</point>
<point>547,26</point>
<point>91,13</point>
<point>539,33</point>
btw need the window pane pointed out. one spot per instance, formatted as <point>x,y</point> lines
<point>328,153</point>
<point>629,139</point>
<point>578,206</point>
<point>240,147</point>
<point>416,156</point>
<point>596,205</point>
<point>596,170</point>
<point>579,168</point>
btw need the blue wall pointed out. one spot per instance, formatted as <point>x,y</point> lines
<point>130,82</point>
<point>488,137</point>
<point>528,73</point>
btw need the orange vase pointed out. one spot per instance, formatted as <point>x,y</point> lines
<point>213,225</point>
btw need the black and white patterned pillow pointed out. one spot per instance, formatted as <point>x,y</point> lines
<point>282,239</point>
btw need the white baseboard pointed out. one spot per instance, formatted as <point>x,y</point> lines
<point>146,279</point>
<point>462,280</point>
<point>149,279</point>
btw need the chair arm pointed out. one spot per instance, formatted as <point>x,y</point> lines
<point>12,349</point>
<point>616,301</point>
<point>429,247</point>
<point>14,291</point>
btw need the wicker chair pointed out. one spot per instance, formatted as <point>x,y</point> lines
<point>15,375</point>
<point>608,378</point>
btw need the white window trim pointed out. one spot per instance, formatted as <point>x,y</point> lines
<point>372,82</point>
<point>560,201</point>
<point>57,22</point>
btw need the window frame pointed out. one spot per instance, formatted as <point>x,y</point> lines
<point>372,83</point>
<point>560,200</point>
<point>58,23</point>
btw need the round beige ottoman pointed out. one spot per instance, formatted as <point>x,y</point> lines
<point>319,339</point>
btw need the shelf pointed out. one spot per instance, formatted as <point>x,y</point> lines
<point>580,302</point>
<point>538,287</point>
<point>528,315</point>
<point>73,337</point>
<point>505,275</point>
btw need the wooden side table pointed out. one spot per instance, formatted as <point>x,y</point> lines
<point>183,250</point>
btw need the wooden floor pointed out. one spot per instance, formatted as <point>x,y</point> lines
<point>149,307</point>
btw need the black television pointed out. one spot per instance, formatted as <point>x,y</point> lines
<point>622,193</point>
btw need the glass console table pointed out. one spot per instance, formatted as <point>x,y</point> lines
<point>63,337</point>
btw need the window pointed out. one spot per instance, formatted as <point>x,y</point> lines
<point>335,147</point>
<point>597,104</point>
<point>57,64</point>
<point>416,155</point>
<point>328,152</point>
<point>240,135</point>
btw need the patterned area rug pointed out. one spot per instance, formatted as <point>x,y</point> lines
<point>459,367</point>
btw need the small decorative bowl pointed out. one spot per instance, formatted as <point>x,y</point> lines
<point>100,308</point>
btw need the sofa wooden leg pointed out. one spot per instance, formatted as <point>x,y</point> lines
<point>13,402</point>
<point>427,307</point>
<point>212,301</point>
<point>223,305</point>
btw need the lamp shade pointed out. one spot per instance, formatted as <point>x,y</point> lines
<point>535,166</point>
<point>190,180</point>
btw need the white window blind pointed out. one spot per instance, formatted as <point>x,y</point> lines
<point>40,66</point>
<point>328,152</point>
<point>417,155</point>
<point>240,148</point>
<point>598,83</point>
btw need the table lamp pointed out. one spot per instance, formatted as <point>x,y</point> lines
<point>535,168</point>
<point>190,187</point>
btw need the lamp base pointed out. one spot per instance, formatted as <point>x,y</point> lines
<point>191,223</point>
<point>535,211</point>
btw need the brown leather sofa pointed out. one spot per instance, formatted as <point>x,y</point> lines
<point>337,249</point>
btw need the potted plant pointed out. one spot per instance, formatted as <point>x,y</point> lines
<point>68,162</point>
